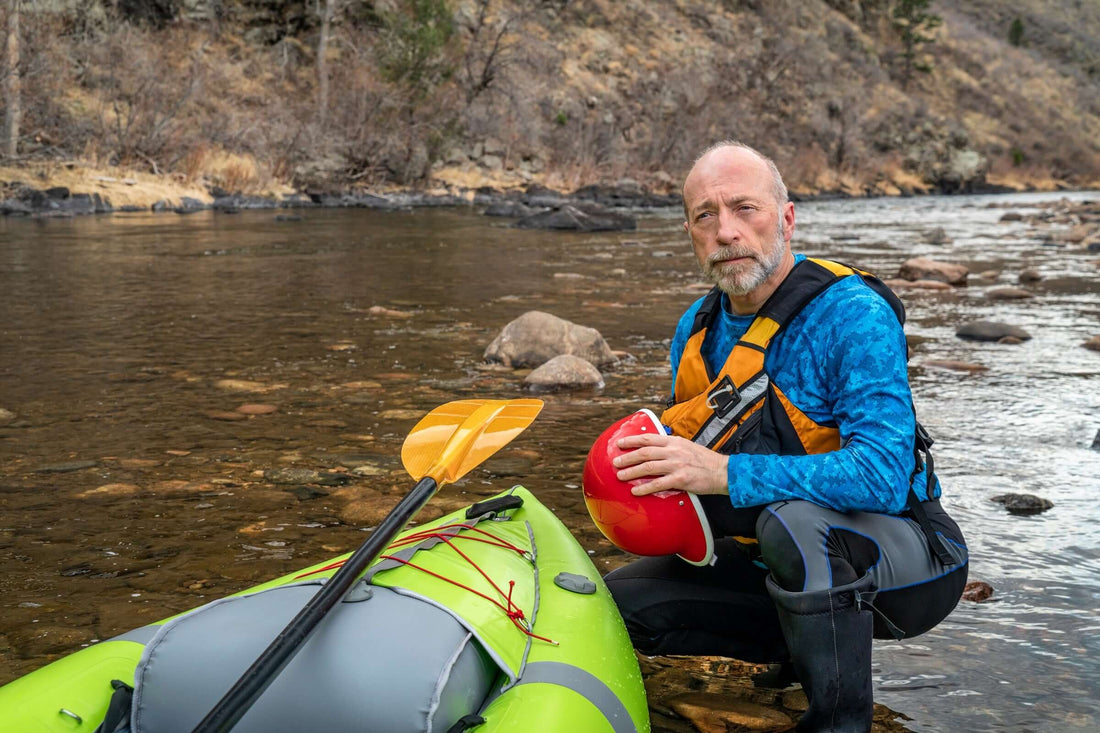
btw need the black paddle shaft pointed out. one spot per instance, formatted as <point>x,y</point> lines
<point>232,707</point>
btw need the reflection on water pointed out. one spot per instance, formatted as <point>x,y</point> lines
<point>131,488</point>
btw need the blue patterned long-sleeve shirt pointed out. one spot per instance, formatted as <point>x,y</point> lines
<point>842,361</point>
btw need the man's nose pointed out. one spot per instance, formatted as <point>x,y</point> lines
<point>728,231</point>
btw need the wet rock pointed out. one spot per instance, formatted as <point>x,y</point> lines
<point>512,209</point>
<point>290,476</point>
<point>401,414</point>
<point>1009,294</point>
<point>177,486</point>
<point>65,467</point>
<point>990,331</point>
<point>563,372</point>
<point>1010,340</point>
<point>1093,344</point>
<point>1029,276</point>
<point>1096,441</point>
<point>714,713</point>
<point>572,218</point>
<point>1023,503</point>
<point>6,417</point>
<point>955,366</point>
<point>111,490</point>
<point>937,236</point>
<point>244,385</point>
<point>923,268</point>
<point>257,409</point>
<point>977,591</point>
<point>367,469</point>
<point>377,310</point>
<point>536,337</point>
<point>1012,216</point>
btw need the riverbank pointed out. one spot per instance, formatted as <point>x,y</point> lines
<point>61,190</point>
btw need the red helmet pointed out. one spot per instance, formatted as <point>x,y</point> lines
<point>663,523</point>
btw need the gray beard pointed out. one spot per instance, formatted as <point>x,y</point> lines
<point>745,281</point>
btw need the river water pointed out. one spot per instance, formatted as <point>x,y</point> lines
<point>128,493</point>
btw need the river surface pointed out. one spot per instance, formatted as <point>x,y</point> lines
<point>127,342</point>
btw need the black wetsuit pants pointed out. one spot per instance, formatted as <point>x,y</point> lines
<point>672,607</point>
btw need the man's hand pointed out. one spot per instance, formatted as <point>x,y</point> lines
<point>675,463</point>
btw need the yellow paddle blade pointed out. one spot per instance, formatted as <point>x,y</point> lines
<point>454,438</point>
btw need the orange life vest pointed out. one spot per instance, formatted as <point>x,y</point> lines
<point>740,409</point>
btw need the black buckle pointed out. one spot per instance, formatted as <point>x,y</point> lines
<point>924,440</point>
<point>724,397</point>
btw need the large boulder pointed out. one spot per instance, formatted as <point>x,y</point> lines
<point>536,337</point>
<point>922,268</point>
<point>564,372</point>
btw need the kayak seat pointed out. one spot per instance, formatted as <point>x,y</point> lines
<point>390,663</point>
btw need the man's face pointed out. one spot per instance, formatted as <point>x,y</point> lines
<point>739,233</point>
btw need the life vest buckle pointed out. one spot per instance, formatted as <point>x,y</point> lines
<point>723,398</point>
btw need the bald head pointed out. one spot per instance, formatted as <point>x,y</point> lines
<point>732,157</point>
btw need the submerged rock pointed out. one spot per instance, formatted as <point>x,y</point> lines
<point>537,337</point>
<point>1093,344</point>
<point>1023,503</point>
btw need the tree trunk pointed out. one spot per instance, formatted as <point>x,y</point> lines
<point>322,65</point>
<point>12,92</point>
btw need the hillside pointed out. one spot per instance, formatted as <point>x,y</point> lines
<point>265,95</point>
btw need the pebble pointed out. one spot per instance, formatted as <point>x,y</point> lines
<point>111,490</point>
<point>361,385</point>
<point>401,414</point>
<point>6,416</point>
<point>243,385</point>
<point>1030,276</point>
<point>65,467</point>
<point>327,423</point>
<point>257,409</point>
<point>291,476</point>
<point>377,310</point>
<point>132,463</point>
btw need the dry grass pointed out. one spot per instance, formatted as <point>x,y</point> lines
<point>595,90</point>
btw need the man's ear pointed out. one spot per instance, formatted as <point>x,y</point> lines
<point>687,228</point>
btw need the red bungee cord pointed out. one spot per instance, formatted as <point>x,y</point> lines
<point>513,611</point>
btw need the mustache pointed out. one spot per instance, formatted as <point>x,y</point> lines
<point>728,253</point>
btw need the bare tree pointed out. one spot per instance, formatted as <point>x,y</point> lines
<point>322,65</point>
<point>13,91</point>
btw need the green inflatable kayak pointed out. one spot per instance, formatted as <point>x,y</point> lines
<point>489,619</point>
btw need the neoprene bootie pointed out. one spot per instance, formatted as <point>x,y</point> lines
<point>828,634</point>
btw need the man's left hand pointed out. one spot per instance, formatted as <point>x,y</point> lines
<point>671,462</point>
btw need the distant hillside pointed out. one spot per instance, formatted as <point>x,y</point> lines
<point>331,94</point>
